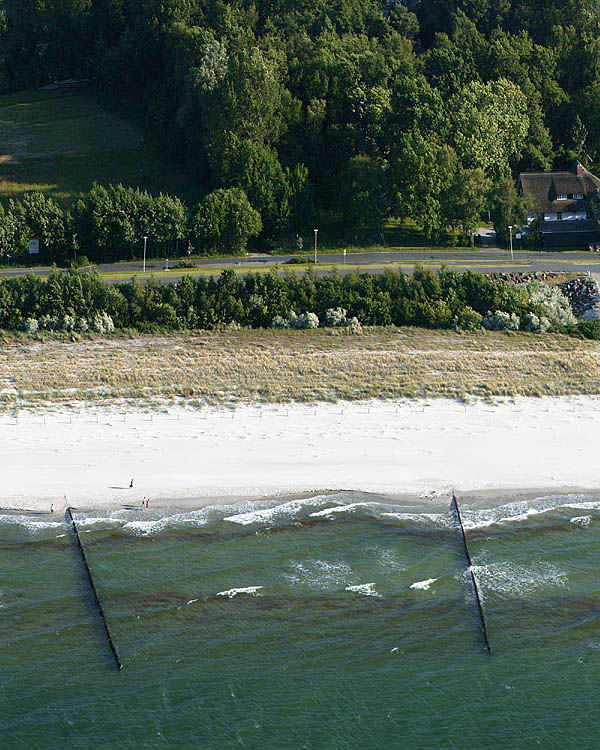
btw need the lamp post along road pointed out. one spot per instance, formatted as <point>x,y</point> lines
<point>145,240</point>
<point>511,247</point>
<point>316,232</point>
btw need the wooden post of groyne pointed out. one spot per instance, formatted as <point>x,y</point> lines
<point>473,578</point>
<point>91,580</point>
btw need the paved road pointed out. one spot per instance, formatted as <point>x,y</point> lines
<point>486,260</point>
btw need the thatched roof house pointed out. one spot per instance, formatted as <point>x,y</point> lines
<point>561,200</point>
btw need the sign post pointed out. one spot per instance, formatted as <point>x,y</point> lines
<point>34,247</point>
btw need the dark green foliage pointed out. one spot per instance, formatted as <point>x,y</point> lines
<point>587,329</point>
<point>506,208</point>
<point>106,224</point>
<point>434,300</point>
<point>328,114</point>
<point>224,222</point>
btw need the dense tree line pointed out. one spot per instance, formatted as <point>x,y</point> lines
<point>336,114</point>
<point>77,301</point>
<point>110,224</point>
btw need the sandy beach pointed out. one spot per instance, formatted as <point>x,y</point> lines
<point>182,457</point>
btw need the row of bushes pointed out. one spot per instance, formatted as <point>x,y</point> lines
<point>446,299</point>
<point>110,224</point>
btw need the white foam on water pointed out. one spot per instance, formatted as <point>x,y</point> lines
<point>422,585</point>
<point>244,590</point>
<point>340,509</point>
<point>143,528</point>
<point>584,506</point>
<point>512,578</point>
<point>83,521</point>
<point>387,559</point>
<point>191,601</point>
<point>581,520</point>
<point>511,512</point>
<point>438,519</point>
<point>30,524</point>
<point>290,511</point>
<point>520,511</point>
<point>366,589</point>
<point>319,574</point>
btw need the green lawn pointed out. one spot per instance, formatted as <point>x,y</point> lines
<point>62,141</point>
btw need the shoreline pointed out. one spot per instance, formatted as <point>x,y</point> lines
<point>411,452</point>
<point>474,501</point>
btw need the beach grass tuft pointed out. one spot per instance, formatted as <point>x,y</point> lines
<point>276,366</point>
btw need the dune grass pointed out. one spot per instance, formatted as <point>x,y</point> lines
<point>287,365</point>
<point>60,142</point>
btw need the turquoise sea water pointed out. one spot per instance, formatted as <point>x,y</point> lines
<point>341,621</point>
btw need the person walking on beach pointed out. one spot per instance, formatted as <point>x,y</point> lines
<point>131,484</point>
<point>147,502</point>
<point>52,508</point>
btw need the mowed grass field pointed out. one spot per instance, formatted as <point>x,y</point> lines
<point>61,142</point>
<point>261,366</point>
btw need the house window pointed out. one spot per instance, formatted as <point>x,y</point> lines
<point>561,197</point>
<point>578,196</point>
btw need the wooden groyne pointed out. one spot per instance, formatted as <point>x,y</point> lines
<point>98,603</point>
<point>473,577</point>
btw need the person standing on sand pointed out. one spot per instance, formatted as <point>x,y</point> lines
<point>147,502</point>
<point>52,508</point>
<point>131,484</point>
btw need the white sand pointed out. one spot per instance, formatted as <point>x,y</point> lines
<point>187,457</point>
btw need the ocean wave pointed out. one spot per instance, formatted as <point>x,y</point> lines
<point>589,505</point>
<point>514,579</point>
<point>387,559</point>
<point>85,522</point>
<point>32,525</point>
<point>441,520</point>
<point>345,504</point>
<point>366,589</point>
<point>243,590</point>
<point>581,520</point>
<point>141,522</point>
<point>283,512</point>
<point>319,574</point>
<point>522,511</point>
<point>336,509</point>
<point>142,528</point>
<point>422,585</point>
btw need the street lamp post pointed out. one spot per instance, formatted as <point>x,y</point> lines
<point>511,247</point>
<point>145,240</point>
<point>316,232</point>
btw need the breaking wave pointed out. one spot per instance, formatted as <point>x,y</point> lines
<point>578,509</point>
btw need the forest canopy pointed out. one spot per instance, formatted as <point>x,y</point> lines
<point>337,114</point>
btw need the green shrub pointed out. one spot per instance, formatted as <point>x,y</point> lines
<point>468,320</point>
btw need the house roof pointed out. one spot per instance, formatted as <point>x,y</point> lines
<point>567,227</point>
<point>542,188</point>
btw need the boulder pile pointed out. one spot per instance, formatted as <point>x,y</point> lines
<point>584,295</point>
